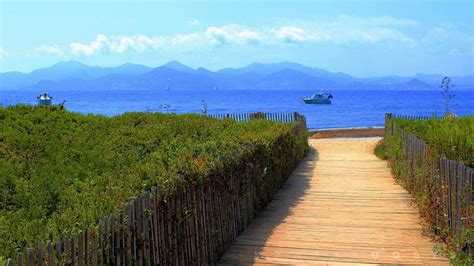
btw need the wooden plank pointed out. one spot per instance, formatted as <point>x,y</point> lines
<point>112,250</point>
<point>40,260</point>
<point>167,229</point>
<point>87,253</point>
<point>106,242</point>
<point>209,223</point>
<point>180,231</point>
<point>161,247</point>
<point>59,251</point>
<point>67,251</point>
<point>50,253</point>
<point>174,230</point>
<point>80,249</point>
<point>154,228</point>
<point>139,228</point>
<point>95,257</point>
<point>119,240</point>
<point>146,227</point>
<point>100,243</point>
<point>201,238</point>
<point>128,235</point>
<point>192,230</point>
<point>30,257</point>
<point>20,259</point>
<point>73,250</point>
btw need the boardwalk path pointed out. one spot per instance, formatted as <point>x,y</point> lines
<point>340,206</point>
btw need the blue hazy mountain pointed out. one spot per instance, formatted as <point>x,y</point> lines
<point>261,70</point>
<point>291,79</point>
<point>414,83</point>
<point>178,66</point>
<point>174,75</point>
<point>66,71</point>
<point>424,80</point>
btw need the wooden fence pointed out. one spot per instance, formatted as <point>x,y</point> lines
<point>193,226</point>
<point>450,183</point>
<point>277,117</point>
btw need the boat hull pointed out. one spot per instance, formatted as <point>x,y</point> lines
<point>44,102</point>
<point>317,101</point>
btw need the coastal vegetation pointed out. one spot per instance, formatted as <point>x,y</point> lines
<point>450,137</point>
<point>434,183</point>
<point>62,171</point>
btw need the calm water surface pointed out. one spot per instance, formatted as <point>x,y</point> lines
<point>349,109</point>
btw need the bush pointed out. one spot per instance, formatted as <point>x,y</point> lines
<point>62,171</point>
<point>450,137</point>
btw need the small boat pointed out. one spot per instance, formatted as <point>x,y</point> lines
<point>319,98</point>
<point>44,99</point>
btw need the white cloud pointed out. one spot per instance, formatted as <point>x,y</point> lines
<point>185,39</point>
<point>216,36</point>
<point>232,34</point>
<point>194,22</point>
<point>99,44</point>
<point>3,53</point>
<point>140,42</point>
<point>374,35</point>
<point>448,40</point>
<point>49,50</point>
<point>347,29</point>
<point>292,34</point>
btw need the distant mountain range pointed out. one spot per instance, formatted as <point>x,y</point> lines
<point>73,75</point>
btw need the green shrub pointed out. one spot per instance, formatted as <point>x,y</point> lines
<point>380,150</point>
<point>450,137</point>
<point>62,171</point>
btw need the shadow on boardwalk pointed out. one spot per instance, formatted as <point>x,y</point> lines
<point>288,196</point>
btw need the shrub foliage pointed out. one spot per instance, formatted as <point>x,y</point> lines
<point>450,137</point>
<point>62,171</point>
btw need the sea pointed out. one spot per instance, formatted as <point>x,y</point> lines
<point>349,109</point>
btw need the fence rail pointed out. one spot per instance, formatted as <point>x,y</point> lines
<point>193,226</point>
<point>450,183</point>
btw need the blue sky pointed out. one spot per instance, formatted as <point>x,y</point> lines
<point>362,38</point>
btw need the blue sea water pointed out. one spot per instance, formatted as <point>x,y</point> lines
<point>350,108</point>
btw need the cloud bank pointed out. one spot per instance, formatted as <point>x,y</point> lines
<point>340,30</point>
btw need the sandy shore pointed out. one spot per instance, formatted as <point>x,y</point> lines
<point>347,145</point>
<point>349,132</point>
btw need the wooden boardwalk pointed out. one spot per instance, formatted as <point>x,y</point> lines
<point>340,206</point>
